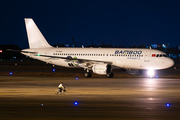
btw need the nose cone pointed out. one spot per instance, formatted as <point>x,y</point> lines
<point>170,63</point>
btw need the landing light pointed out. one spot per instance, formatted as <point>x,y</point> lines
<point>150,72</point>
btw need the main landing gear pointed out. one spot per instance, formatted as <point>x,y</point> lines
<point>110,75</point>
<point>87,74</point>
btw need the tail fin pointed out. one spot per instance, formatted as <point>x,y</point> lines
<point>35,37</point>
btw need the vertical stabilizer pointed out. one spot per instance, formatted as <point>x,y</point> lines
<point>35,37</point>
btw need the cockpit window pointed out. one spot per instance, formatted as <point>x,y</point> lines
<point>165,55</point>
<point>161,55</point>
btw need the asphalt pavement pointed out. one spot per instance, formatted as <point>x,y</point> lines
<point>27,97</point>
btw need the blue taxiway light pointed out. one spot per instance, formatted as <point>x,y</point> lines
<point>76,78</point>
<point>75,103</point>
<point>10,73</point>
<point>157,76</point>
<point>54,70</point>
<point>167,104</point>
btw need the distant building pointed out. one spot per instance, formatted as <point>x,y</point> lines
<point>160,45</point>
<point>154,46</point>
<point>67,45</point>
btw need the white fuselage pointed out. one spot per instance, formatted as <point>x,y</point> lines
<point>128,58</point>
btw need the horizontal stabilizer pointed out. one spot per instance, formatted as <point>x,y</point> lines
<point>20,51</point>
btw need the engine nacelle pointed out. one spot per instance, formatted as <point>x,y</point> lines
<point>134,71</point>
<point>102,69</point>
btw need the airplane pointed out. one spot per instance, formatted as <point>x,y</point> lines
<point>97,60</point>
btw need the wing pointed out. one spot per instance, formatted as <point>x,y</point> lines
<point>69,58</point>
<point>76,59</point>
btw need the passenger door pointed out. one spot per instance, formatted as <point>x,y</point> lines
<point>147,56</point>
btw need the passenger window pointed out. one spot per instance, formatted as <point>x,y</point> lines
<point>160,55</point>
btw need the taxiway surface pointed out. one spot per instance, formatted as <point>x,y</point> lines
<point>98,98</point>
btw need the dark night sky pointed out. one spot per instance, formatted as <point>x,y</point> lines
<point>92,21</point>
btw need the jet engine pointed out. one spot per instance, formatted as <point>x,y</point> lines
<point>102,69</point>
